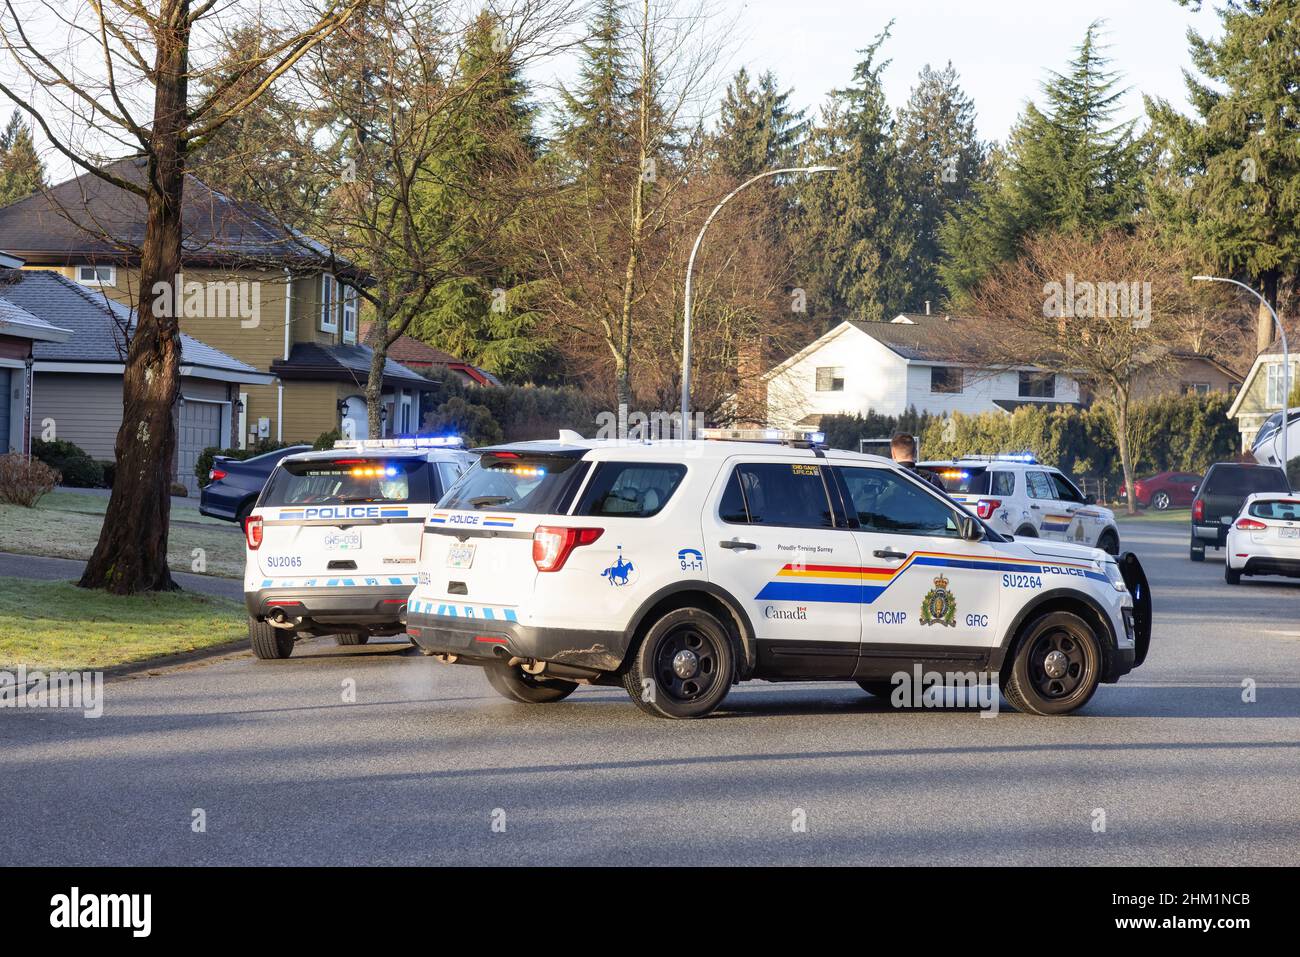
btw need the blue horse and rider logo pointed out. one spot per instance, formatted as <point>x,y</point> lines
<point>619,572</point>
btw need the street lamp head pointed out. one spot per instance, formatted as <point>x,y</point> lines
<point>822,169</point>
<point>1205,278</point>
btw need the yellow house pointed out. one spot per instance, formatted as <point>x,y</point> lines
<point>251,288</point>
<point>1261,394</point>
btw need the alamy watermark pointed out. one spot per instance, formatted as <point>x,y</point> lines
<point>229,299</point>
<point>946,689</point>
<point>1098,300</point>
<point>78,690</point>
<point>635,426</point>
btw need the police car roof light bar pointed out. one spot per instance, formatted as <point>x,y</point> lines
<point>1027,457</point>
<point>407,442</point>
<point>798,438</point>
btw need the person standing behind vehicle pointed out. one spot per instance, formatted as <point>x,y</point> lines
<point>903,449</point>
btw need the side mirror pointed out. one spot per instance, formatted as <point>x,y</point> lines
<point>1195,488</point>
<point>969,529</point>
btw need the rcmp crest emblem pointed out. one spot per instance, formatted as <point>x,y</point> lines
<point>939,606</point>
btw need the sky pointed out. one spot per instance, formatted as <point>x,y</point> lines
<point>1002,49</point>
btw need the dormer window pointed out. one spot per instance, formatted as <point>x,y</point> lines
<point>328,317</point>
<point>89,275</point>
<point>349,314</point>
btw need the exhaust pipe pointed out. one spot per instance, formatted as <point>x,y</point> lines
<point>278,619</point>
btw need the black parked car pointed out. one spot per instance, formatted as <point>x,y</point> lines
<point>1220,496</point>
<point>234,484</point>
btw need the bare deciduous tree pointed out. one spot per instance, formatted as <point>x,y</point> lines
<point>127,80</point>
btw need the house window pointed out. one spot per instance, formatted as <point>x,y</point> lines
<point>945,379</point>
<point>1274,395</point>
<point>349,314</point>
<point>1037,385</point>
<point>89,275</point>
<point>328,317</point>
<point>830,378</point>
<point>1196,388</point>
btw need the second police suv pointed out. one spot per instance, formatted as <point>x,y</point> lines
<point>676,569</point>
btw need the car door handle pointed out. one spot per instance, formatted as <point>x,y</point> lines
<point>737,545</point>
<point>888,553</point>
<point>1035,507</point>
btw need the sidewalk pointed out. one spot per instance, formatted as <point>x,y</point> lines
<point>65,569</point>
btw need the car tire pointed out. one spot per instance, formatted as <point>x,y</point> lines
<point>351,638</point>
<point>1161,501</point>
<point>683,667</point>
<point>245,510</point>
<point>1109,542</point>
<point>1231,575</point>
<point>518,685</point>
<point>1026,531</point>
<point>269,643</point>
<point>1057,665</point>
<point>1197,551</point>
<point>877,689</point>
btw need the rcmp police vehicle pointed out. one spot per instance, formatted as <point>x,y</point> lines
<point>334,539</point>
<point>1016,495</point>
<point>675,569</point>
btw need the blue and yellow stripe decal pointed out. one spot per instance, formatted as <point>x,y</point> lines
<point>856,584</point>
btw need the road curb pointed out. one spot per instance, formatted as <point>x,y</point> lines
<point>179,658</point>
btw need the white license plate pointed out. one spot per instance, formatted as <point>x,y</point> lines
<point>343,540</point>
<point>1288,532</point>
<point>460,556</point>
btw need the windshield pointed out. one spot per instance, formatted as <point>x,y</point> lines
<point>961,479</point>
<point>515,482</point>
<point>1282,509</point>
<point>341,481</point>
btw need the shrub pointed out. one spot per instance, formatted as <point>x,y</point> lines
<point>472,422</point>
<point>517,412</point>
<point>179,489</point>
<point>203,464</point>
<point>326,440</point>
<point>78,469</point>
<point>23,481</point>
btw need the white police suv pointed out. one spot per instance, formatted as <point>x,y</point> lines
<point>1016,495</point>
<point>678,568</point>
<point>334,538</point>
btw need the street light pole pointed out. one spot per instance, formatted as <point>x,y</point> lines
<point>690,266</point>
<point>1286,362</point>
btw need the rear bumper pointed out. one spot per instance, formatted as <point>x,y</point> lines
<point>1269,565</point>
<point>491,639</point>
<point>372,607</point>
<point>1214,535</point>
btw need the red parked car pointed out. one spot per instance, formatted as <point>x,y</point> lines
<point>1165,490</point>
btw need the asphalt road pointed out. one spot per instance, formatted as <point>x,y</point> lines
<point>419,768</point>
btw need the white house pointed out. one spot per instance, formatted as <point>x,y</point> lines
<point>889,367</point>
<point>1262,393</point>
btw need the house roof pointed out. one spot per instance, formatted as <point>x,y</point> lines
<point>417,353</point>
<point>1266,357</point>
<point>99,327</point>
<point>914,336</point>
<point>17,321</point>
<point>342,363</point>
<point>87,219</point>
<point>1208,360</point>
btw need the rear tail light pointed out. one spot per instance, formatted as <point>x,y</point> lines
<point>215,475</point>
<point>985,507</point>
<point>253,531</point>
<point>1198,510</point>
<point>1250,525</point>
<point>552,545</point>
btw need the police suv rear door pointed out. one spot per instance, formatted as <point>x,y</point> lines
<point>346,521</point>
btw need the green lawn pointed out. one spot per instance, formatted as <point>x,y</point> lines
<point>1183,515</point>
<point>66,525</point>
<point>58,625</point>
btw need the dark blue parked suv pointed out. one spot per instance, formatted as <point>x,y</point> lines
<point>235,484</point>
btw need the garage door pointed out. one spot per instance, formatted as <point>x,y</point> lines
<point>200,428</point>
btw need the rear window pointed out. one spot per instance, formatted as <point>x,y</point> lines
<point>517,482</point>
<point>962,480</point>
<point>630,489</point>
<point>1286,510</point>
<point>1244,480</point>
<point>341,481</point>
